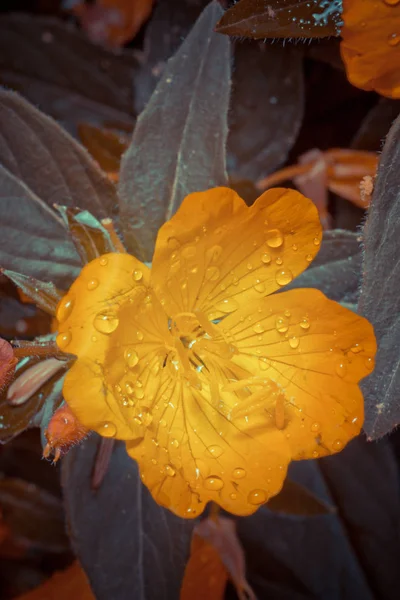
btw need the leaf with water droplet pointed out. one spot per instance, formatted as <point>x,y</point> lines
<point>178,145</point>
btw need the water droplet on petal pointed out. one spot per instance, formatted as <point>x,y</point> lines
<point>258,328</point>
<point>282,324</point>
<point>189,252</point>
<point>337,445</point>
<point>137,275</point>
<point>233,496</point>
<point>393,39</point>
<point>227,306</point>
<point>315,427</point>
<point>131,357</point>
<point>317,242</point>
<point>212,274</point>
<point>266,258</point>
<point>294,342</point>
<point>315,454</point>
<point>213,483</point>
<point>309,257</point>
<point>139,335</point>
<point>174,443</point>
<point>106,322</point>
<point>257,497</point>
<point>108,430</point>
<point>129,388</point>
<point>259,287</point>
<point>170,471</point>
<point>215,451</point>
<point>213,254</point>
<point>305,323</point>
<point>64,309</point>
<point>139,393</point>
<point>279,261</point>
<point>103,261</point>
<point>146,416</point>
<point>63,339</point>
<point>92,284</point>
<point>356,348</point>
<point>238,473</point>
<point>341,369</point>
<point>283,277</point>
<point>274,238</point>
<point>263,362</point>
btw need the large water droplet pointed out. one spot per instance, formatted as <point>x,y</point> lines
<point>283,277</point>
<point>213,483</point>
<point>305,323</point>
<point>266,258</point>
<point>282,324</point>
<point>63,339</point>
<point>259,286</point>
<point>215,451</point>
<point>212,274</point>
<point>137,275</point>
<point>257,497</point>
<point>238,473</point>
<point>131,357</point>
<point>106,322</point>
<point>103,261</point>
<point>108,430</point>
<point>170,471</point>
<point>274,238</point>
<point>294,342</point>
<point>337,445</point>
<point>341,369</point>
<point>64,309</point>
<point>92,284</point>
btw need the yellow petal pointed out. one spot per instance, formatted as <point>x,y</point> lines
<point>216,253</point>
<point>192,453</point>
<point>307,355</point>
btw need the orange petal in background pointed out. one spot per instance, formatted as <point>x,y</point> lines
<point>215,253</point>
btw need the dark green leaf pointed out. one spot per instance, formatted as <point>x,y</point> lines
<point>295,499</point>
<point>34,241</point>
<point>262,19</point>
<point>34,516</point>
<point>44,295</point>
<point>336,270</point>
<point>49,161</point>
<point>128,545</point>
<point>91,239</point>
<point>267,108</point>
<point>178,145</point>
<point>380,290</point>
<point>57,68</point>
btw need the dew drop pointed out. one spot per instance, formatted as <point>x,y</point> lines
<point>369,363</point>
<point>137,275</point>
<point>266,258</point>
<point>259,287</point>
<point>215,451</point>
<point>213,483</point>
<point>315,427</point>
<point>283,277</point>
<point>341,369</point>
<point>315,454</point>
<point>213,254</point>
<point>106,322</point>
<point>356,348</point>
<point>238,473</point>
<point>108,430</point>
<point>163,423</point>
<point>337,445</point>
<point>309,257</point>
<point>257,497</point>
<point>317,242</point>
<point>281,324</point>
<point>393,39</point>
<point>64,309</point>
<point>305,323</point>
<point>129,388</point>
<point>63,339</point>
<point>92,284</point>
<point>170,471</point>
<point>139,393</point>
<point>274,238</point>
<point>263,362</point>
<point>279,261</point>
<point>233,496</point>
<point>295,247</point>
<point>287,313</point>
<point>294,342</point>
<point>103,261</point>
<point>212,274</point>
<point>174,443</point>
<point>139,335</point>
<point>258,328</point>
<point>227,306</point>
<point>138,421</point>
<point>146,417</point>
<point>154,461</point>
<point>131,357</point>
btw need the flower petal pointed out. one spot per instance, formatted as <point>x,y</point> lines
<point>307,355</point>
<point>192,453</point>
<point>216,253</point>
<point>370,46</point>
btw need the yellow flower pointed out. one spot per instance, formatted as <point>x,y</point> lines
<point>371,45</point>
<point>214,387</point>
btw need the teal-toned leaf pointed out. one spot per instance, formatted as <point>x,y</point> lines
<point>380,290</point>
<point>45,295</point>
<point>34,241</point>
<point>262,19</point>
<point>49,161</point>
<point>178,145</point>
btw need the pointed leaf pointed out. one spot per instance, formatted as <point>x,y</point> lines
<point>34,240</point>
<point>262,19</point>
<point>49,161</point>
<point>44,295</point>
<point>178,145</point>
<point>380,290</point>
<point>128,545</point>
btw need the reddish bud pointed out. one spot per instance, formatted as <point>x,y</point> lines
<point>63,432</point>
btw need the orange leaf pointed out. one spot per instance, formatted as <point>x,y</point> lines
<point>216,555</point>
<point>105,145</point>
<point>113,22</point>
<point>71,583</point>
<point>7,362</point>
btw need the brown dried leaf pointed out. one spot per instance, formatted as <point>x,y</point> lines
<point>7,362</point>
